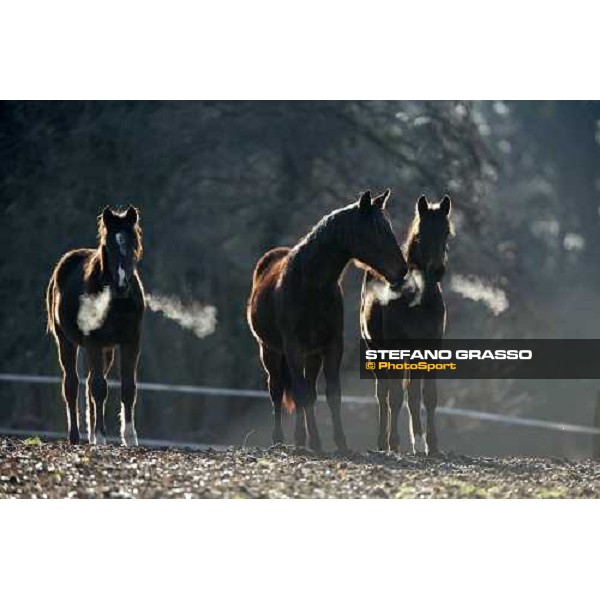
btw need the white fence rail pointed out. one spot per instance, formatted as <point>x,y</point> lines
<point>241,393</point>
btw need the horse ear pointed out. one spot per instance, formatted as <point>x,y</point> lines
<point>381,201</point>
<point>131,216</point>
<point>108,217</point>
<point>365,201</point>
<point>446,205</point>
<point>422,205</point>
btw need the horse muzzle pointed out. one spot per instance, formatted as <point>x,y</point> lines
<point>397,285</point>
<point>398,282</point>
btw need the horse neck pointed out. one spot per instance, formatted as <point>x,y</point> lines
<point>415,263</point>
<point>320,258</point>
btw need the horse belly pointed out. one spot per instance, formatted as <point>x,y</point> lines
<point>122,324</point>
<point>313,339</point>
<point>320,324</point>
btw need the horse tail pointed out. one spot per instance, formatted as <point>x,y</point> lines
<point>286,380</point>
<point>50,306</point>
<point>364,329</point>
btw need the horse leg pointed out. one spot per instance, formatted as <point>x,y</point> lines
<point>311,372</point>
<point>333,391</point>
<point>417,439</point>
<point>67,356</point>
<point>97,392</point>
<point>382,389</point>
<point>90,404</point>
<point>300,426</point>
<point>109,356</point>
<point>272,362</point>
<point>130,354</point>
<point>91,410</point>
<point>396,398</point>
<point>295,362</point>
<point>430,399</point>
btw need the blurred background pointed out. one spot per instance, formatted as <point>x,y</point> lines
<point>219,183</point>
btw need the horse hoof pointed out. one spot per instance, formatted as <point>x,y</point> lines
<point>129,435</point>
<point>316,448</point>
<point>345,453</point>
<point>100,439</point>
<point>420,445</point>
<point>303,451</point>
<point>282,448</point>
<point>74,439</point>
<point>387,448</point>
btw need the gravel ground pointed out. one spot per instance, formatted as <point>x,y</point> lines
<point>29,469</point>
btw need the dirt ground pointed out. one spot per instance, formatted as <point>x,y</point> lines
<point>32,469</point>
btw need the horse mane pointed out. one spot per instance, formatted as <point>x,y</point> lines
<point>322,230</point>
<point>93,264</point>
<point>331,228</point>
<point>412,237</point>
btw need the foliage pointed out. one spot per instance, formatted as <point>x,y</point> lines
<point>218,183</point>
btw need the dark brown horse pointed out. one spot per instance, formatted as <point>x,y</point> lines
<point>95,300</point>
<point>295,309</point>
<point>412,314</point>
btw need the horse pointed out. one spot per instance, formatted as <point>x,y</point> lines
<point>419,314</point>
<point>95,300</point>
<point>295,309</point>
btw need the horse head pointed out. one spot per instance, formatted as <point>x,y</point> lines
<point>121,243</point>
<point>374,243</point>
